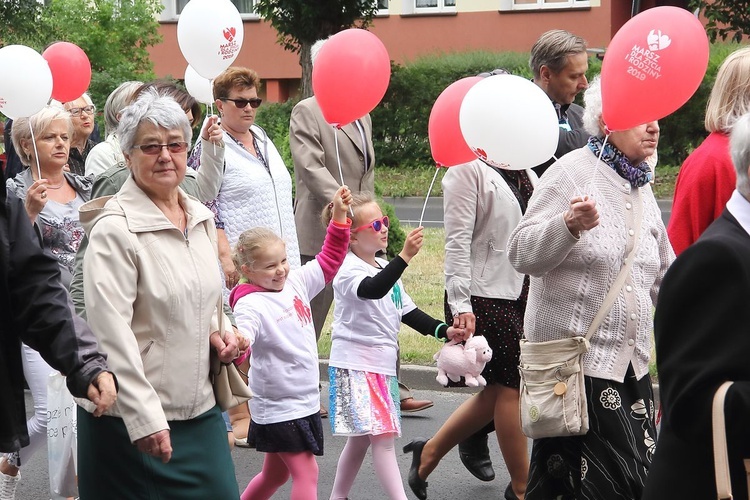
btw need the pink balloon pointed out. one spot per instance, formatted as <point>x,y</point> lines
<point>350,75</point>
<point>654,64</point>
<point>71,70</point>
<point>447,143</point>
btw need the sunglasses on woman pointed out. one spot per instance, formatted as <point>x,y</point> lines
<point>376,225</point>
<point>155,149</point>
<point>242,103</point>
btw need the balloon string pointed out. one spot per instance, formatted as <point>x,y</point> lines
<point>596,165</point>
<point>338,161</point>
<point>211,108</point>
<point>424,207</point>
<point>36,153</point>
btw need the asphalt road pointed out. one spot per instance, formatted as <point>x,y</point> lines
<point>450,481</point>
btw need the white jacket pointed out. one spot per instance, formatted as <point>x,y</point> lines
<point>151,297</point>
<point>480,212</point>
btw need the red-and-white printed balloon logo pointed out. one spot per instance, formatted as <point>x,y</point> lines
<point>657,41</point>
<point>644,61</point>
<point>229,50</point>
<point>229,33</point>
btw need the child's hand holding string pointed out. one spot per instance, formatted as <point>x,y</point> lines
<point>413,243</point>
<point>341,202</point>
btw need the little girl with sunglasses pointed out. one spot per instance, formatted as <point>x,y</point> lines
<point>273,310</point>
<point>371,304</point>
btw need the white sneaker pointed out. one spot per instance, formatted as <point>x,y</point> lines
<point>8,485</point>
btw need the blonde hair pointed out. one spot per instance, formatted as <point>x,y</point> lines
<point>249,243</point>
<point>39,123</point>
<point>358,200</point>
<point>730,95</point>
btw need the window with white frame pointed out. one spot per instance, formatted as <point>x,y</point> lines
<point>543,4</point>
<point>382,7</point>
<point>429,6</point>
<point>173,8</point>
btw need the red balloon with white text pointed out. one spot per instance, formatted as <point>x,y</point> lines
<point>653,65</point>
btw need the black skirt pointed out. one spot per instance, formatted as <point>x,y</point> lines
<point>612,460</point>
<point>292,436</point>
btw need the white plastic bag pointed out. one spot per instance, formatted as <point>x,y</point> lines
<point>61,438</point>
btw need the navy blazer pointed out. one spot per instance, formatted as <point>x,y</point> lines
<point>702,331</point>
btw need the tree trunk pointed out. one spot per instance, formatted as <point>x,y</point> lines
<point>304,61</point>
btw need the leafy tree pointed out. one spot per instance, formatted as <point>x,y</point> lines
<point>115,34</point>
<point>725,18</point>
<point>300,23</point>
<point>19,22</point>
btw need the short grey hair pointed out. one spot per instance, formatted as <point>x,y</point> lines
<point>315,50</point>
<point>739,145</point>
<point>552,50</point>
<point>116,102</point>
<point>21,131</point>
<point>592,98</point>
<point>162,111</point>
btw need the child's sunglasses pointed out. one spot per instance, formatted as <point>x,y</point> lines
<point>376,225</point>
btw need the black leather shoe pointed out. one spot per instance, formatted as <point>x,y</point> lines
<point>475,455</point>
<point>509,493</point>
<point>417,484</point>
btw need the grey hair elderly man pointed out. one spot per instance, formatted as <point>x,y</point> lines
<point>701,342</point>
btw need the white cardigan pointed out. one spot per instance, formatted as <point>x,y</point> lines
<point>570,277</point>
<point>480,212</point>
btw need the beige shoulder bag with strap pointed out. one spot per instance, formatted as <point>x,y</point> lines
<point>553,390</point>
<point>721,455</point>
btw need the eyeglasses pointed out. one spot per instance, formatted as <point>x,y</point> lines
<point>376,225</point>
<point>242,103</point>
<point>89,110</point>
<point>155,149</point>
<point>494,72</point>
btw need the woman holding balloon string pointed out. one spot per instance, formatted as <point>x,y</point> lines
<point>52,197</point>
<point>573,247</point>
<point>257,187</point>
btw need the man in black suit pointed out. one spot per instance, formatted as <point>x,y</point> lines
<point>702,340</point>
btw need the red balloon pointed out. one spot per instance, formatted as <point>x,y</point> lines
<point>350,75</point>
<point>71,70</point>
<point>654,64</point>
<point>447,143</point>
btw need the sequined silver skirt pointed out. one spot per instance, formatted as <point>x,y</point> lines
<point>363,403</point>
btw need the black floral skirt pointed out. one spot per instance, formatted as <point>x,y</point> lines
<point>612,460</point>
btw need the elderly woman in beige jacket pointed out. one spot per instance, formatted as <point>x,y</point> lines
<point>485,295</point>
<point>152,286</point>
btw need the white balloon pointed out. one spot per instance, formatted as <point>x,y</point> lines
<point>26,85</point>
<point>198,87</point>
<point>509,122</point>
<point>210,34</point>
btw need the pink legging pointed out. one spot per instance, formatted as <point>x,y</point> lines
<point>383,459</point>
<point>277,467</point>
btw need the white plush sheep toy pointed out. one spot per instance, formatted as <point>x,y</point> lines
<point>456,360</point>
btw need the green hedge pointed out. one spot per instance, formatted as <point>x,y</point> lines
<point>683,130</point>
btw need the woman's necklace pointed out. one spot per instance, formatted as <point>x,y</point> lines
<point>54,186</point>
